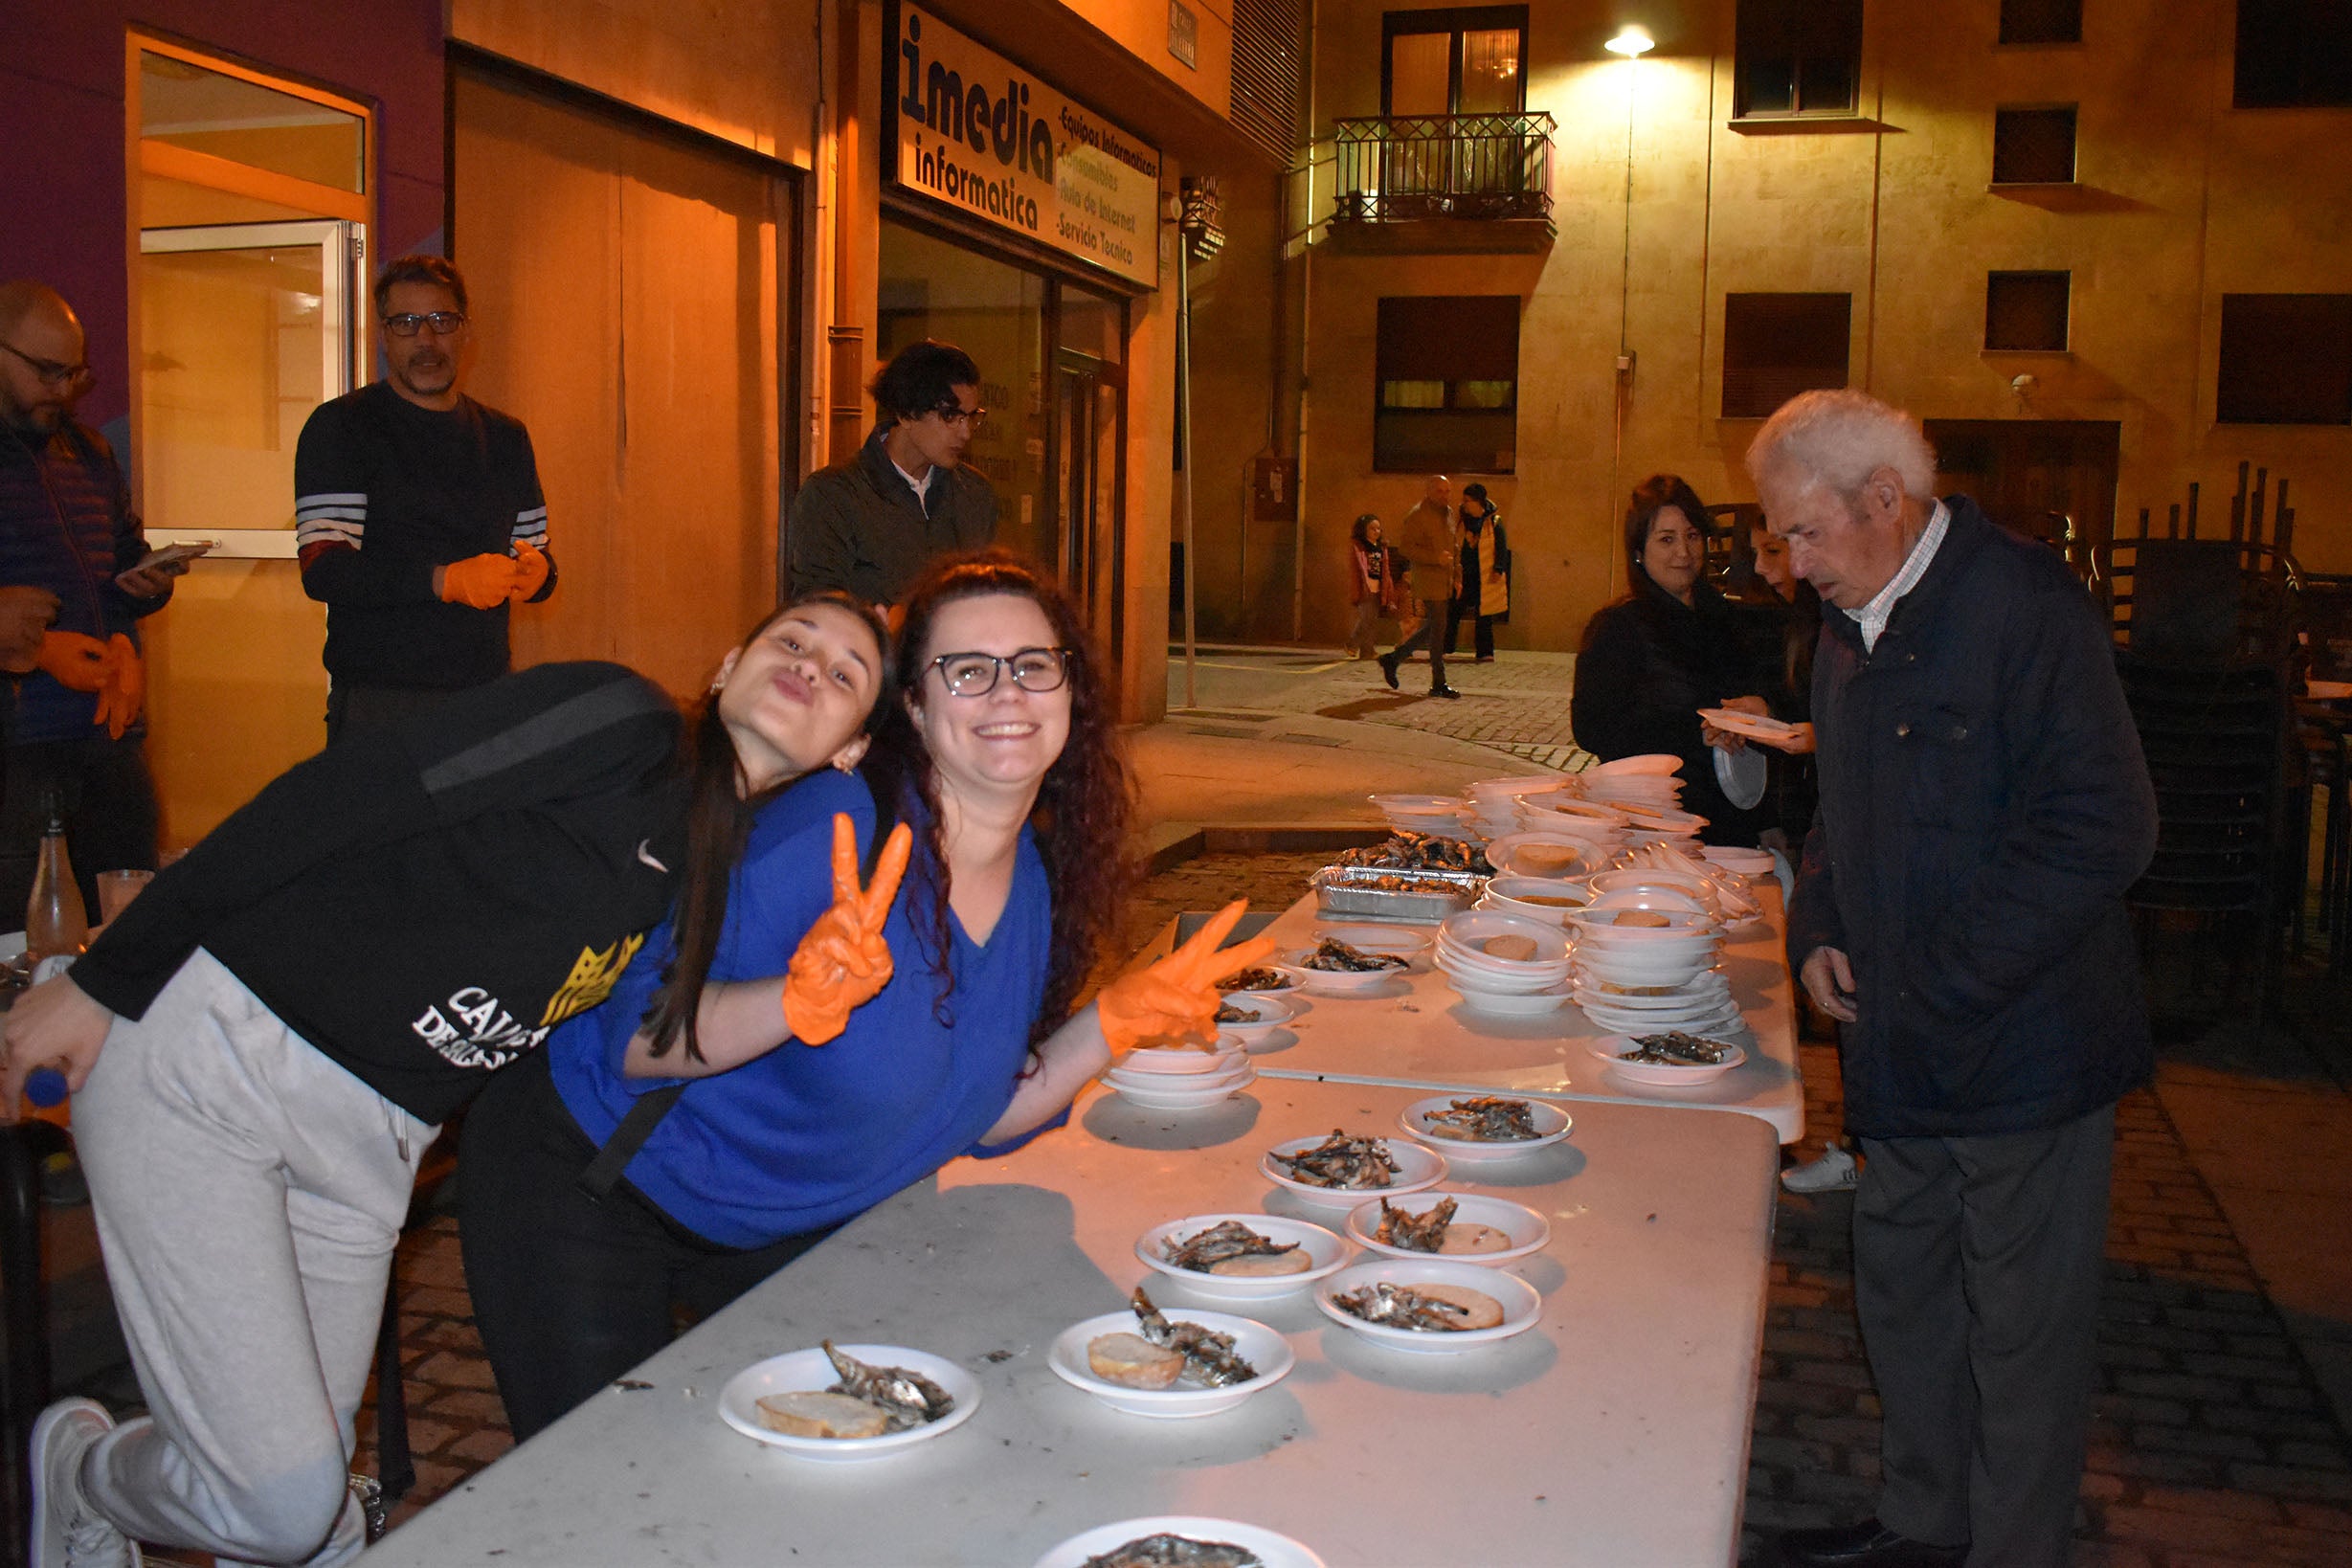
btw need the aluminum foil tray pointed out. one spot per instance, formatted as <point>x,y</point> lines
<point>1430,896</point>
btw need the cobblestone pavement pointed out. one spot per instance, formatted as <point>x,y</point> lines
<point>2213,1448</point>
<point>1518,703</point>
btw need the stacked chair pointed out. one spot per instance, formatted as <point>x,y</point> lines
<point>2206,648</point>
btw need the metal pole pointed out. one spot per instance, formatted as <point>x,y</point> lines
<point>1191,453</point>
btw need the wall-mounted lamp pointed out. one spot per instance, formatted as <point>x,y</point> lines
<point>1632,41</point>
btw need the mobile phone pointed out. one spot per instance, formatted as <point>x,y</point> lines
<point>172,554</point>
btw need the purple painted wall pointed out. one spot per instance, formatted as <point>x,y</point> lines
<point>62,184</point>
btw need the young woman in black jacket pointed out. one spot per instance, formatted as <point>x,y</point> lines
<point>1651,660</point>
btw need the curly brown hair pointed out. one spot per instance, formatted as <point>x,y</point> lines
<point>1082,806</point>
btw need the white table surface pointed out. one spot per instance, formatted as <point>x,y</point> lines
<point>1414,1031</point>
<point>1614,1434</point>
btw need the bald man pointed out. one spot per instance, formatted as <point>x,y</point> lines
<point>72,545</point>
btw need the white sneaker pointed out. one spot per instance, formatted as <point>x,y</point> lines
<point>1835,1172</point>
<point>66,1532</point>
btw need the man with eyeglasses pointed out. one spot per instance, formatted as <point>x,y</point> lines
<point>74,553</point>
<point>417,514</point>
<point>870,525</point>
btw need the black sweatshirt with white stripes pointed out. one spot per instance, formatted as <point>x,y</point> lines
<point>423,902</point>
<point>384,492</point>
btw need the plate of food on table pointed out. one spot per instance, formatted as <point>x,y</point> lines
<point>1344,1169</point>
<point>837,1402</point>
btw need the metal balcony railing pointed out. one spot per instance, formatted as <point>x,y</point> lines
<point>1482,166</point>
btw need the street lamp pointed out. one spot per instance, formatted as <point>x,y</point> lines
<point>1631,43</point>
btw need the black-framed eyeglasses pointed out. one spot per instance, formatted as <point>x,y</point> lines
<point>444,323</point>
<point>975,674</point>
<point>950,413</point>
<point>51,372</point>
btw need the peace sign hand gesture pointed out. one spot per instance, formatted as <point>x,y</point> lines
<point>843,961</point>
<point>1177,996</point>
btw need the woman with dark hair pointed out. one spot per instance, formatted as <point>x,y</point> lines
<point>287,1013</point>
<point>1651,660</point>
<point>1000,752</point>
<point>1485,597</point>
<point>1372,584</point>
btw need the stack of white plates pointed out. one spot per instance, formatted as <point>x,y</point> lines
<point>1734,899</point>
<point>1552,856</point>
<point>1491,809</point>
<point>1488,982</point>
<point>1745,862</point>
<point>1145,1078</point>
<point>1546,898</point>
<point>1437,815</point>
<point>1643,979</point>
<point>1703,892</point>
<point>1651,780</point>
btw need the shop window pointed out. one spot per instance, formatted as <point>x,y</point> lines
<point>2293,53</point>
<point>2286,359</point>
<point>1463,60</point>
<point>2041,21</point>
<point>1448,372</point>
<point>2033,146</point>
<point>2026,311</point>
<point>1776,346</point>
<point>1798,57</point>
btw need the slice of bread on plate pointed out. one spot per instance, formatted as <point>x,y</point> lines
<point>815,1415</point>
<point>1133,1361</point>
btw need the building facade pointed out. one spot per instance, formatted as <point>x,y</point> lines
<point>2100,245</point>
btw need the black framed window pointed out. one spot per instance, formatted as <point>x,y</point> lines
<point>1776,346</point>
<point>2286,359</point>
<point>2041,21</point>
<point>1446,385</point>
<point>2026,311</point>
<point>2293,53</point>
<point>1469,60</point>
<point>1798,57</point>
<point>2033,146</point>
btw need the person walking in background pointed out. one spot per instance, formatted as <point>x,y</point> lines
<point>1485,594</point>
<point>76,558</point>
<point>869,526</point>
<point>1427,540</point>
<point>1371,587</point>
<point>417,514</point>
<point>1984,806</point>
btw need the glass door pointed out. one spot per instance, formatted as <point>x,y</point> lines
<point>244,328</point>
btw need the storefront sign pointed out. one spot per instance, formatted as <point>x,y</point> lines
<point>986,137</point>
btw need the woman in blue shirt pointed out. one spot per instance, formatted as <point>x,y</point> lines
<point>1000,753</point>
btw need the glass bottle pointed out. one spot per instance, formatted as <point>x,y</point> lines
<point>56,922</point>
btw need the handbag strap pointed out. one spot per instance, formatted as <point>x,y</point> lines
<point>603,1172</point>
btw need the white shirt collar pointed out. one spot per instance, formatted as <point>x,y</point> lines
<point>923,485</point>
<point>1872,618</point>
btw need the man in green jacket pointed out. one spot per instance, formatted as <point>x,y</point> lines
<point>1433,547</point>
<point>869,524</point>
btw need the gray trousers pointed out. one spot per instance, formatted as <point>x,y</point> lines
<point>248,1194</point>
<point>1977,1271</point>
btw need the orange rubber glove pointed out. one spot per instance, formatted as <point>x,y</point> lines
<point>530,571</point>
<point>77,662</point>
<point>126,688</point>
<point>843,961</point>
<point>1177,996</point>
<point>481,581</point>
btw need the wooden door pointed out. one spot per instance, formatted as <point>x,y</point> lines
<point>626,297</point>
<point>2036,476</point>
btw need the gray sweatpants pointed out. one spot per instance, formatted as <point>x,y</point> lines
<point>248,1194</point>
<point>1976,1269</point>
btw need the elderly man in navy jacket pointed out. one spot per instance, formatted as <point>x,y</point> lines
<point>1983,806</point>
